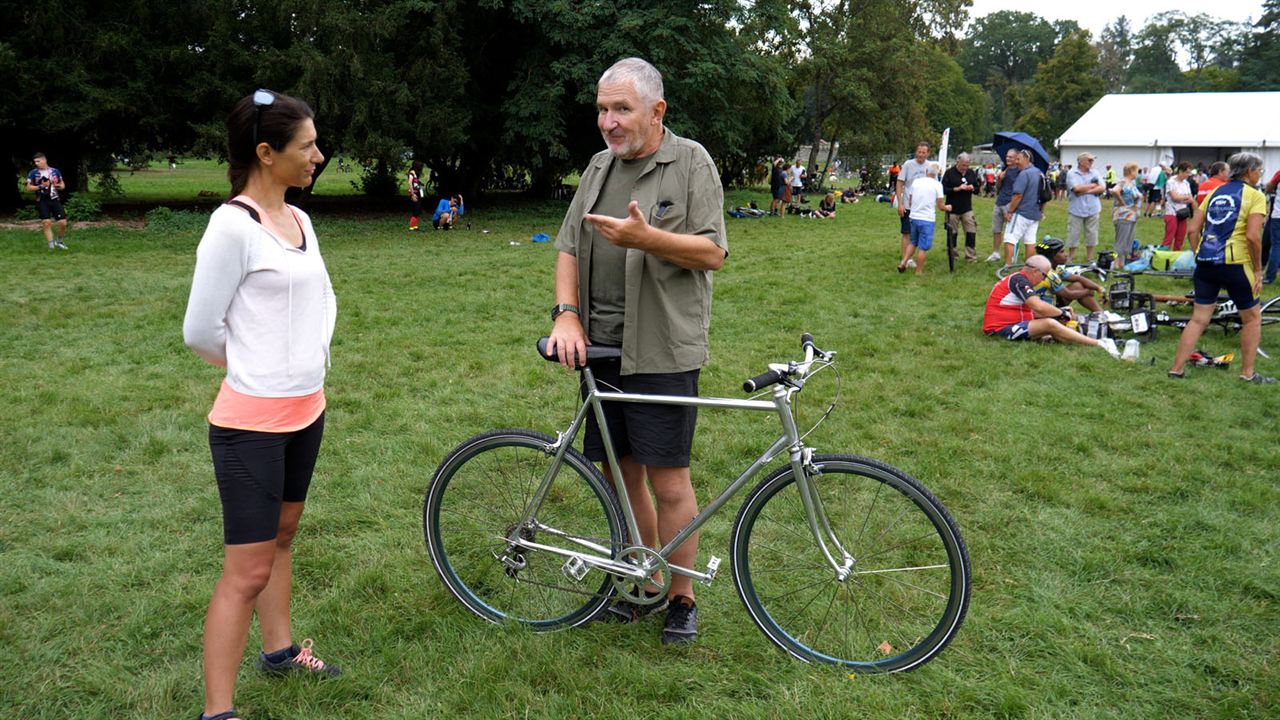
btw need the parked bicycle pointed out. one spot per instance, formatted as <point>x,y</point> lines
<point>838,558</point>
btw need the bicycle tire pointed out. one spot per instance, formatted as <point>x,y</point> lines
<point>892,525</point>
<point>475,499</point>
<point>1005,271</point>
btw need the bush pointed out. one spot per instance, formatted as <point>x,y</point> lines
<point>109,185</point>
<point>167,220</point>
<point>82,208</point>
<point>377,180</point>
<point>26,212</point>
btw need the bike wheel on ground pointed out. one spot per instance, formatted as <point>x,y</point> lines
<point>477,499</point>
<point>909,588</point>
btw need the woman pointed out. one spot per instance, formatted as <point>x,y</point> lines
<point>827,208</point>
<point>262,306</point>
<point>1229,257</point>
<point>778,188</point>
<point>1124,215</point>
<point>1177,207</point>
<point>415,194</point>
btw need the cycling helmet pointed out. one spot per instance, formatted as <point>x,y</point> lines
<point>1049,247</point>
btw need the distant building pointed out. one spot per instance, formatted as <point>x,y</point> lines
<point>1174,127</point>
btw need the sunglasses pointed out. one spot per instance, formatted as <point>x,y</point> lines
<point>261,98</point>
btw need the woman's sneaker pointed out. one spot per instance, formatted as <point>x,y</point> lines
<point>297,660</point>
<point>682,622</point>
<point>625,611</point>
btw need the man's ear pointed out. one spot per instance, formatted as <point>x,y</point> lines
<point>659,111</point>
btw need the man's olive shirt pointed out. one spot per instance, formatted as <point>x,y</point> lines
<point>668,308</point>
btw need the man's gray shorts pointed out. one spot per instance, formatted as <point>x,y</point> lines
<point>1089,225</point>
<point>997,219</point>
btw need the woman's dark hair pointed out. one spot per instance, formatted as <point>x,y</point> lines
<point>417,166</point>
<point>275,125</point>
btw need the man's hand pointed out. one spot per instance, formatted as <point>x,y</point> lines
<point>629,232</point>
<point>901,210</point>
<point>568,342</point>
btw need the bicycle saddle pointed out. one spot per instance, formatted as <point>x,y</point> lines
<point>594,352</point>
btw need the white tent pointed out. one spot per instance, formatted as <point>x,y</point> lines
<point>1172,127</point>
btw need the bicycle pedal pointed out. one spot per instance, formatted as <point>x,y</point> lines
<point>713,565</point>
<point>575,569</point>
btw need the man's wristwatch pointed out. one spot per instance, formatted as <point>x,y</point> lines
<point>564,307</point>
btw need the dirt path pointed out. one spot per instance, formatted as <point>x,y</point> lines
<point>78,225</point>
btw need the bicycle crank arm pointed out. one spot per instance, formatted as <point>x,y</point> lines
<point>713,565</point>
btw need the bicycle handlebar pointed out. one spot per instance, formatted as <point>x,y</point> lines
<point>778,374</point>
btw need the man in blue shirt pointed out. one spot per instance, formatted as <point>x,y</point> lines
<point>1005,193</point>
<point>1023,213</point>
<point>1084,189</point>
<point>46,182</point>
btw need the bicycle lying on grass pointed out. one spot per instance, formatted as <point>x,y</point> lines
<point>838,558</point>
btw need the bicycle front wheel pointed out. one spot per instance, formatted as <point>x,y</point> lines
<point>472,520</point>
<point>908,588</point>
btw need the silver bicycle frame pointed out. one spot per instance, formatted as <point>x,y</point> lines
<point>799,457</point>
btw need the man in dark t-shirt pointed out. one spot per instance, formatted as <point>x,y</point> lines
<point>46,182</point>
<point>959,182</point>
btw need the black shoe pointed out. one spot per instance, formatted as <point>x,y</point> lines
<point>625,611</point>
<point>682,622</point>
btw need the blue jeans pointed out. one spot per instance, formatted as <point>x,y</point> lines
<point>1273,262</point>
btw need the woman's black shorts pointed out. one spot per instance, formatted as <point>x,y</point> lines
<point>256,472</point>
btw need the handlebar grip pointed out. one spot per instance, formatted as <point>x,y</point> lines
<point>806,342</point>
<point>763,380</point>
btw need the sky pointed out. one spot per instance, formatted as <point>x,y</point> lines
<point>1093,15</point>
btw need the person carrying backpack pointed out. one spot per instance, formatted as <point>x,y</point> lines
<point>1026,208</point>
<point>1226,235</point>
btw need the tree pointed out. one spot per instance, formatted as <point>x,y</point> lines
<point>951,101</point>
<point>1001,53</point>
<point>1261,54</point>
<point>1064,87</point>
<point>1115,51</point>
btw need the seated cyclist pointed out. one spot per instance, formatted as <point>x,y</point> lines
<point>1062,286</point>
<point>1015,312</point>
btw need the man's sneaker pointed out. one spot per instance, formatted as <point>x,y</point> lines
<point>60,245</point>
<point>52,245</point>
<point>911,263</point>
<point>1258,379</point>
<point>994,257</point>
<point>1110,346</point>
<point>625,611</point>
<point>298,660</point>
<point>228,715</point>
<point>682,622</point>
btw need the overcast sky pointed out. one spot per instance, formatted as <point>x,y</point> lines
<point>1093,15</point>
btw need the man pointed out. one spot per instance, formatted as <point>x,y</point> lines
<point>914,168</point>
<point>797,183</point>
<point>1273,231</point>
<point>1024,212</point>
<point>637,247</point>
<point>1061,286</point>
<point>448,210</point>
<point>1004,193</point>
<point>46,182</point>
<point>926,195</point>
<point>1015,312</point>
<point>1085,189</point>
<point>959,182</point>
<point>777,183</point>
<point>1218,175</point>
<point>1111,177</point>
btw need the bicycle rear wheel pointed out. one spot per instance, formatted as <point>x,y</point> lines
<point>908,591</point>
<point>475,504</point>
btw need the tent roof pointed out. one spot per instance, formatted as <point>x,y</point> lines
<point>1241,119</point>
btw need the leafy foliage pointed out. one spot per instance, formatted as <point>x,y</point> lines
<point>1064,88</point>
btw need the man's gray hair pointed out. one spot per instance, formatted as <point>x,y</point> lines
<point>932,171</point>
<point>1025,153</point>
<point>962,157</point>
<point>644,77</point>
<point>1243,162</point>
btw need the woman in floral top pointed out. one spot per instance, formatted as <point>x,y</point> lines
<point>1127,196</point>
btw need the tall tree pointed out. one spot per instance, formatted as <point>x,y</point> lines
<point>951,101</point>
<point>1064,87</point>
<point>1001,53</point>
<point>1260,57</point>
<point>1115,52</point>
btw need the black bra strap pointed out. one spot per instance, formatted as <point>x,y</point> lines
<point>252,213</point>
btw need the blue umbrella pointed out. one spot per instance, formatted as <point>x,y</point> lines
<point>1002,142</point>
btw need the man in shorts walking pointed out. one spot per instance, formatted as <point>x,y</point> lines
<point>1022,216</point>
<point>1004,193</point>
<point>636,250</point>
<point>46,182</point>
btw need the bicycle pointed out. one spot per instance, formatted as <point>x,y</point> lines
<point>1099,268</point>
<point>837,558</point>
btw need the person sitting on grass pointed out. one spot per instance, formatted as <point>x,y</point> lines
<point>1062,286</point>
<point>850,195</point>
<point>827,208</point>
<point>1015,312</point>
<point>447,212</point>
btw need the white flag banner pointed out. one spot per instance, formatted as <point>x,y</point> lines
<point>942,151</point>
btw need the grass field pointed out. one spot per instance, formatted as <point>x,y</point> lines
<point>1123,527</point>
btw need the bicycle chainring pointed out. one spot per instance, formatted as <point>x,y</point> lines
<point>652,563</point>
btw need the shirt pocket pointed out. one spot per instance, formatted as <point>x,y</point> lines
<point>668,215</point>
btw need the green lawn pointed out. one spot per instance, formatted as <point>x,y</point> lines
<point>1123,527</point>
